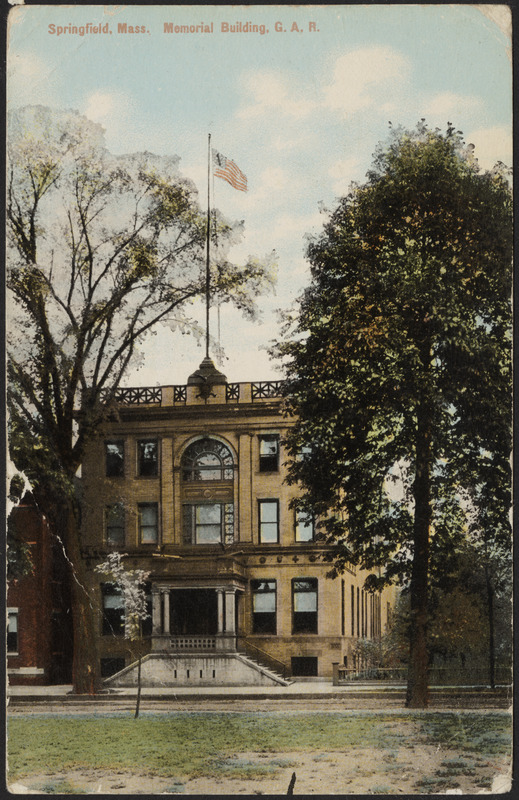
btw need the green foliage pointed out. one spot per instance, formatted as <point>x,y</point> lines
<point>406,319</point>
<point>102,249</point>
<point>399,369</point>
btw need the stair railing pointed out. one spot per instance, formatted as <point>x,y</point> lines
<point>269,661</point>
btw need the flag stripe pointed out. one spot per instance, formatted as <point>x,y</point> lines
<point>229,171</point>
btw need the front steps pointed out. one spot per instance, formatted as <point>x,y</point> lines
<point>224,669</point>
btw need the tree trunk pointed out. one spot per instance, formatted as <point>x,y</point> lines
<point>417,677</point>
<point>85,662</point>
<point>138,703</point>
<point>491,639</point>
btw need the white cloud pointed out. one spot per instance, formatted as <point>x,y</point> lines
<point>271,93</point>
<point>492,145</point>
<point>446,104</point>
<point>271,187</point>
<point>295,226</point>
<point>360,74</point>
<point>28,80</point>
<point>343,172</point>
<point>112,110</point>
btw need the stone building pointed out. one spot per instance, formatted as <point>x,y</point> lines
<point>188,483</point>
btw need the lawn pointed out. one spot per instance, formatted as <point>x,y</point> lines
<point>425,753</point>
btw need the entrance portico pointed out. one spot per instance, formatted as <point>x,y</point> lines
<point>194,618</point>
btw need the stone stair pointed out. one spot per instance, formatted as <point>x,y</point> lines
<point>197,669</point>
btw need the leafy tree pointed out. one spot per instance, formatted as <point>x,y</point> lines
<point>398,367</point>
<point>18,553</point>
<point>486,573</point>
<point>102,249</point>
<point>131,584</point>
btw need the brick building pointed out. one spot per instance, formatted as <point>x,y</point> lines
<point>188,483</point>
<point>39,640</point>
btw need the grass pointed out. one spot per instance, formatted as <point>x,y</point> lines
<point>485,734</point>
<point>50,742</point>
<point>59,787</point>
<point>189,745</point>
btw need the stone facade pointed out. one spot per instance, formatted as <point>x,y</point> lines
<point>188,483</point>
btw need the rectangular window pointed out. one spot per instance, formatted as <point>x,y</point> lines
<point>353,611</point>
<point>358,611</point>
<point>148,523</point>
<point>342,609</point>
<point>269,453</point>
<point>114,523</point>
<point>148,457</point>
<point>114,459</point>
<point>109,666</point>
<point>208,523</point>
<point>113,610</point>
<point>304,604</point>
<point>304,665</point>
<point>263,606</point>
<point>12,631</point>
<point>268,511</point>
<point>304,527</point>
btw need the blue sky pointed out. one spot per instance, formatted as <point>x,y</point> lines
<point>300,111</point>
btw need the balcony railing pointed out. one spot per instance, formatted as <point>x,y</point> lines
<point>158,395</point>
<point>192,643</point>
<point>145,395</point>
<point>266,389</point>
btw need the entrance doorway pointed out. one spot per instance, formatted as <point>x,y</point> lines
<point>193,612</point>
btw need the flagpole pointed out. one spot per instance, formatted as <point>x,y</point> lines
<point>208,238</point>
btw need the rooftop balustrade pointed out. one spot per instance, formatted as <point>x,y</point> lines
<point>178,395</point>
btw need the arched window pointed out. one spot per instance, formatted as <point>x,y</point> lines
<point>207,460</point>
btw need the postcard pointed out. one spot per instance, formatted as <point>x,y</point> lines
<point>258,330</point>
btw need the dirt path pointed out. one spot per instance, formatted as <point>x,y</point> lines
<point>414,769</point>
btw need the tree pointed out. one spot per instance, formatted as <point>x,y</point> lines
<point>131,584</point>
<point>485,571</point>
<point>398,367</point>
<point>102,249</point>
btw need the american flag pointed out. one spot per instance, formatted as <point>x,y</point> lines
<point>225,168</point>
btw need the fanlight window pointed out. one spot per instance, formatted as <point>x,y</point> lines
<point>207,460</point>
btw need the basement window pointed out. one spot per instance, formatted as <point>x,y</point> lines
<point>304,666</point>
<point>109,666</point>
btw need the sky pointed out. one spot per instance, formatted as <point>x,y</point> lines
<point>300,108</point>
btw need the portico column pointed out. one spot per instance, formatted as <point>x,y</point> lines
<point>155,611</point>
<point>230,595</point>
<point>219,595</point>
<point>165,598</point>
